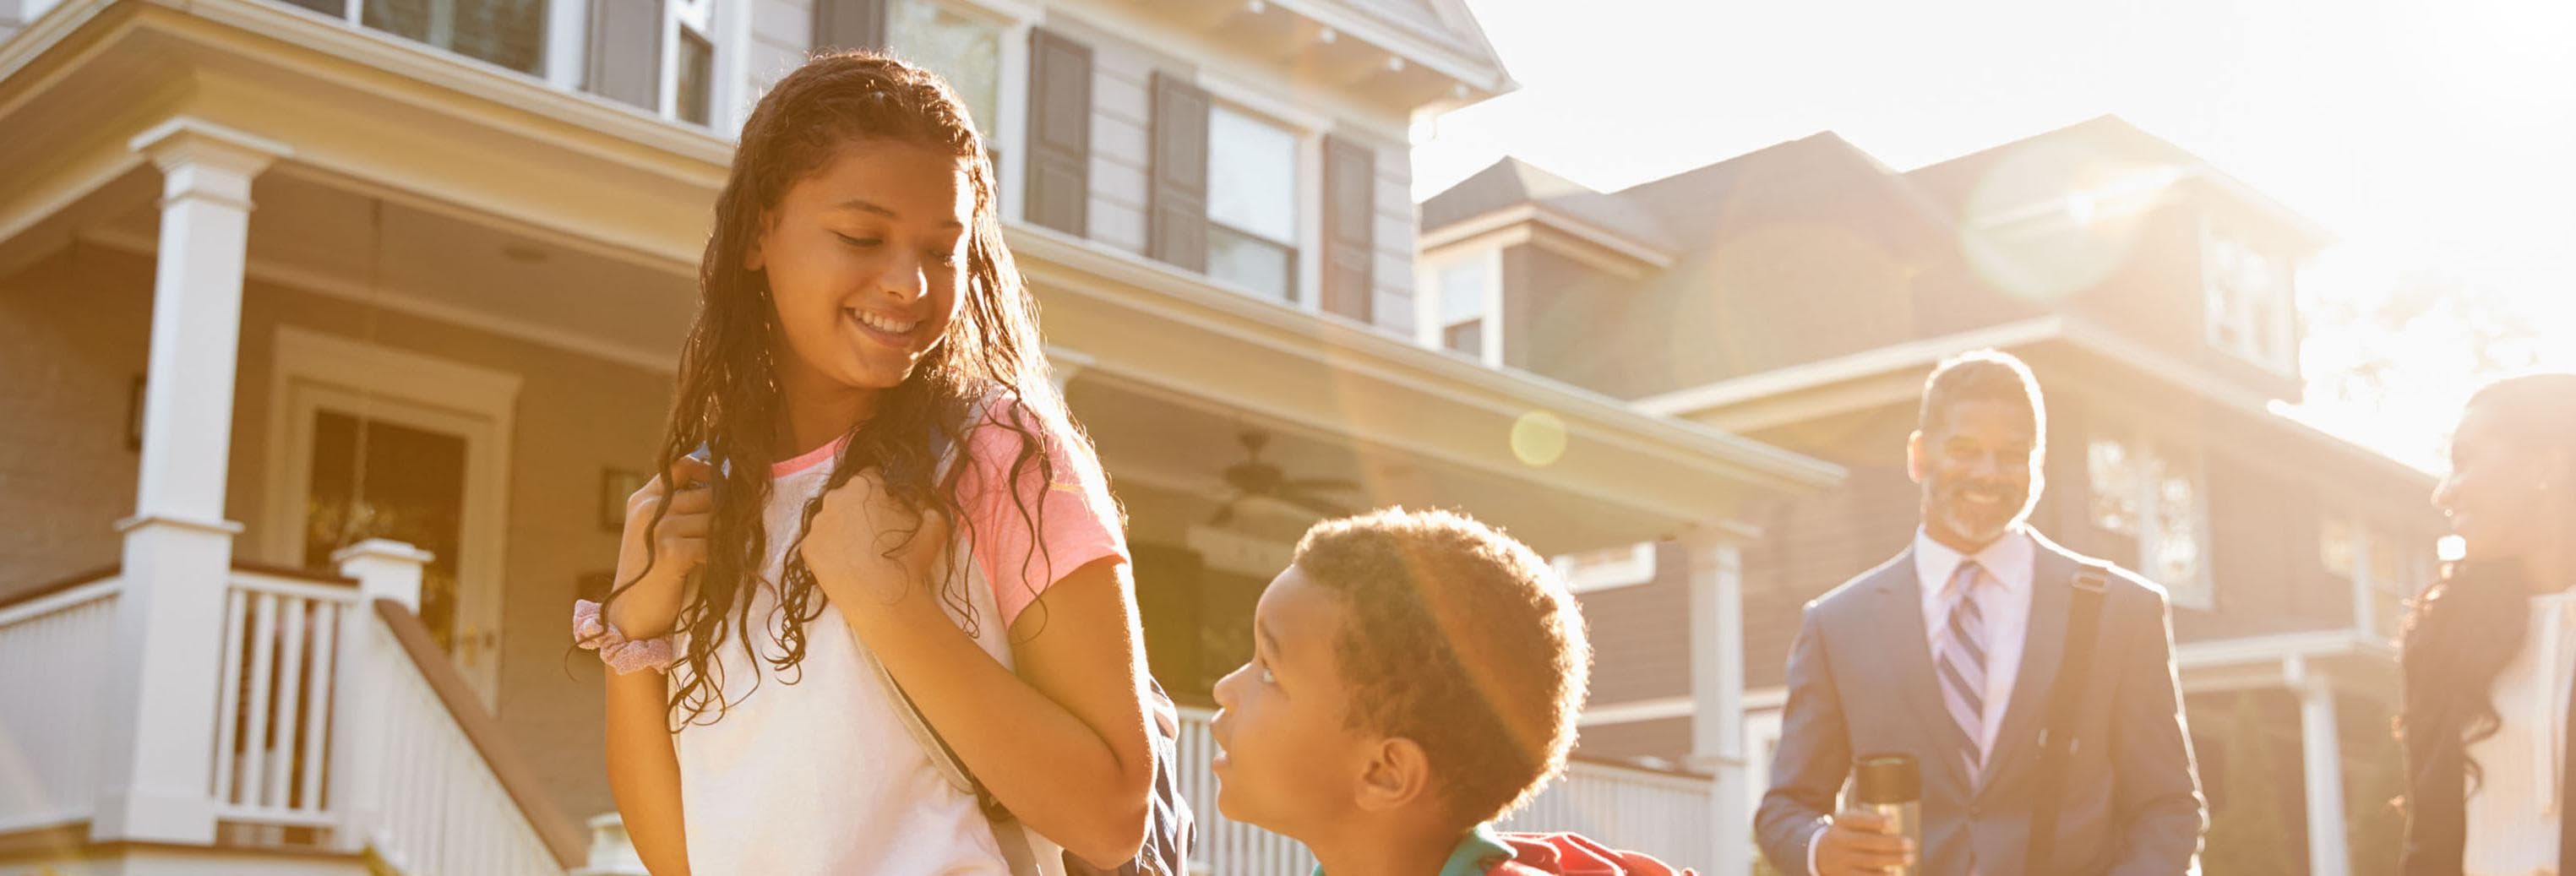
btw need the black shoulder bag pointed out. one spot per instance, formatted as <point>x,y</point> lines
<point>2065,709</point>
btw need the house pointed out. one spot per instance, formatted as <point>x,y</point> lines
<point>1799,294</point>
<point>334,330</point>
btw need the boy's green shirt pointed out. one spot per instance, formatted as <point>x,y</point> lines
<point>1475,855</point>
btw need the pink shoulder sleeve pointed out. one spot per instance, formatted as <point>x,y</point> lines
<point>1033,524</point>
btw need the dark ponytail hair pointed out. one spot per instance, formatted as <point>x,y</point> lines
<point>2472,622</point>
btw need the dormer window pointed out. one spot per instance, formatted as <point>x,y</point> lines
<point>1462,303</point>
<point>2249,295</point>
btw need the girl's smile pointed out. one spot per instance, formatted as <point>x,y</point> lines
<point>864,260</point>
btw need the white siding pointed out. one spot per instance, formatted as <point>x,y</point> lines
<point>1393,273</point>
<point>782,31</point>
<point>1121,83</point>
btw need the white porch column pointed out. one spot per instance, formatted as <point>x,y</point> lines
<point>157,744</point>
<point>1716,565</point>
<point>2321,761</point>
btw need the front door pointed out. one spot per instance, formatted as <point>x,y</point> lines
<point>371,442</point>
<point>410,488</point>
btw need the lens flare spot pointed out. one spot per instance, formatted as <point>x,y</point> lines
<point>1538,438</point>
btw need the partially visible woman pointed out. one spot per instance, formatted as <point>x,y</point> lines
<point>2489,654</point>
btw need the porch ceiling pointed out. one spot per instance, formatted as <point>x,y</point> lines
<point>479,168</point>
<point>1415,425</point>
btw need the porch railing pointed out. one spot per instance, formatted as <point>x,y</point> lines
<point>273,712</point>
<point>437,802</point>
<point>338,725</point>
<point>53,658</point>
<point>1664,814</point>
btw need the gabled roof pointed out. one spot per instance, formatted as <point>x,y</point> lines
<point>1449,22</point>
<point>1820,176</point>
<point>2087,154</point>
<point>1440,34</point>
<point>1512,182</point>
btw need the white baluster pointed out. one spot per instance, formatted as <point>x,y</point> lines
<point>228,701</point>
<point>278,791</point>
<point>263,654</point>
<point>327,618</point>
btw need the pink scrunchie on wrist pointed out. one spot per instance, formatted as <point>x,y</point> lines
<point>591,629</point>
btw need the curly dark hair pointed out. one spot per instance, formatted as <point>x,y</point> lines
<point>1461,639</point>
<point>728,397</point>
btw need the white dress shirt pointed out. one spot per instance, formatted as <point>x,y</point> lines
<point>2513,810</point>
<point>2003,603</point>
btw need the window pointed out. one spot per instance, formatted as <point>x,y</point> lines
<point>1609,567</point>
<point>2249,301</point>
<point>2154,496</point>
<point>2386,568</point>
<point>689,81</point>
<point>963,49</point>
<point>1252,192</point>
<point>1461,304</point>
<point>697,76</point>
<point>510,33</point>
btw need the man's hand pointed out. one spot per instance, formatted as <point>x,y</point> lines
<point>1861,844</point>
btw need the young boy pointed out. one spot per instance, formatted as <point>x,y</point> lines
<point>1415,675</point>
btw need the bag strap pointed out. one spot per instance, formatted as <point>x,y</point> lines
<point>2065,701</point>
<point>1007,832</point>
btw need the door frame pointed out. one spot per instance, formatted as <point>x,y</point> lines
<point>315,372</point>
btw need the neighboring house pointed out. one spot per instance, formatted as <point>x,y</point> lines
<point>450,325</point>
<point>1800,294</point>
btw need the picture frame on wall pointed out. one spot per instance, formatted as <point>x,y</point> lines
<point>616,485</point>
<point>134,417</point>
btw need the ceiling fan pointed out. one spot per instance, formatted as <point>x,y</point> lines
<point>1254,478</point>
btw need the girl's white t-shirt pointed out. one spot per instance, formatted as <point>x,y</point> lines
<point>819,775</point>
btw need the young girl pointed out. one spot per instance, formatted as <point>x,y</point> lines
<point>888,475</point>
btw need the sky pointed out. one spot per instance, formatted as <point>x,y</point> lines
<point>2436,139</point>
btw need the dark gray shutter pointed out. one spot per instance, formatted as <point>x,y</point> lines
<point>1350,228</point>
<point>626,51</point>
<point>1176,198</point>
<point>1059,132</point>
<point>848,24</point>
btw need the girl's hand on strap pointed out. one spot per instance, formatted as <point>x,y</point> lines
<point>865,547</point>
<point>651,605</point>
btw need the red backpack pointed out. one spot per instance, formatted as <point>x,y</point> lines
<point>1566,854</point>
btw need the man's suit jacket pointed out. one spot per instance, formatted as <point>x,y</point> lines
<point>1861,683</point>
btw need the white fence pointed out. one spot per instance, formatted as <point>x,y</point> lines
<point>1663,814</point>
<point>53,658</point>
<point>273,712</point>
<point>1666,815</point>
<point>329,730</point>
<point>437,806</point>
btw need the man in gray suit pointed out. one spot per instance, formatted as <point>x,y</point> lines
<point>1950,653</point>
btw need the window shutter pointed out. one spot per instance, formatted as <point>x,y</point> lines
<point>1176,200</point>
<point>1059,132</point>
<point>626,52</point>
<point>849,24</point>
<point>1350,229</point>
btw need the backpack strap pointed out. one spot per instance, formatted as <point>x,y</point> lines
<point>1007,831</point>
<point>2065,703</point>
